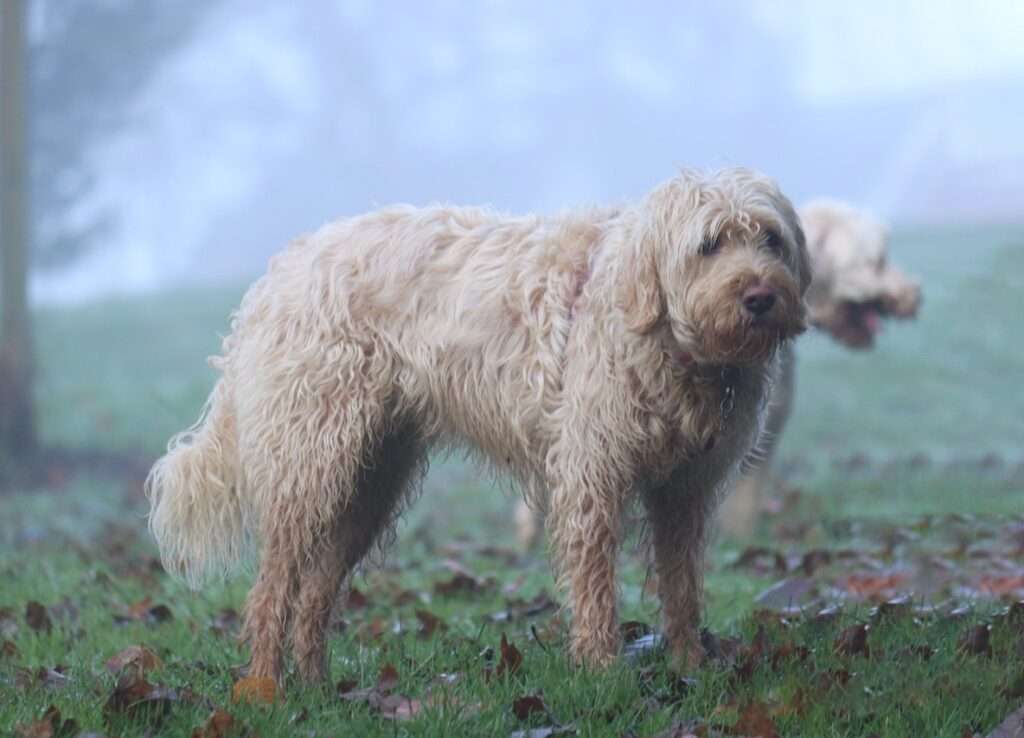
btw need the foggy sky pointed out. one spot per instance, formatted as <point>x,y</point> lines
<point>278,117</point>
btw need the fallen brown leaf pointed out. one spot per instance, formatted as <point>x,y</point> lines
<point>380,697</point>
<point>8,650</point>
<point>718,649</point>
<point>531,704</point>
<point>137,656</point>
<point>976,641</point>
<point>388,678</point>
<point>345,686</point>
<point>37,618</point>
<point>1000,585</point>
<point>875,586</point>
<point>218,725</point>
<point>894,608</point>
<point>429,623</point>
<point>518,608</point>
<point>761,560</point>
<point>511,658</point>
<point>144,611</point>
<point>463,581</point>
<point>49,726</point>
<point>789,652</point>
<point>459,584</point>
<point>44,676</point>
<point>630,630</point>
<point>750,658</point>
<point>815,559</point>
<point>853,641</point>
<point>259,690</point>
<point>356,600</point>
<point>135,697</point>
<point>755,720</point>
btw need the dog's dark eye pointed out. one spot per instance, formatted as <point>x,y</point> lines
<point>710,246</point>
<point>773,242</point>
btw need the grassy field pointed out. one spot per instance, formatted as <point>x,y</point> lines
<point>875,599</point>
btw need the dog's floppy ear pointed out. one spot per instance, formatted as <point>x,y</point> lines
<point>642,299</point>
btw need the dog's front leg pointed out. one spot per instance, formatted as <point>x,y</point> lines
<point>677,518</point>
<point>584,525</point>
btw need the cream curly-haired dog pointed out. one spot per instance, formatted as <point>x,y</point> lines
<point>854,287</point>
<point>598,357</point>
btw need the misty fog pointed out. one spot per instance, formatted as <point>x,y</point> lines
<point>272,118</point>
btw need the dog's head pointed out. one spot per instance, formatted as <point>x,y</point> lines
<point>722,259</point>
<point>854,286</point>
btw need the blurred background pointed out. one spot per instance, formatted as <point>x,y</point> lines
<point>156,154</point>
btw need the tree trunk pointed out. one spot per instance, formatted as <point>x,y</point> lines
<point>17,423</point>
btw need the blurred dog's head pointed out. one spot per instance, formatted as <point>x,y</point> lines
<point>722,259</point>
<point>854,287</point>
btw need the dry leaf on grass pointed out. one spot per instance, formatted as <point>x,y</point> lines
<point>531,704</point>
<point>49,726</point>
<point>258,690</point>
<point>755,720</point>
<point>8,650</point>
<point>429,623</point>
<point>37,618</point>
<point>511,658</point>
<point>976,641</point>
<point>853,641</point>
<point>630,630</point>
<point>380,697</point>
<point>44,676</point>
<point>761,560</point>
<point>218,725</point>
<point>144,611</point>
<point>135,697</point>
<point>136,656</point>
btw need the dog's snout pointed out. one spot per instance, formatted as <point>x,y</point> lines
<point>758,300</point>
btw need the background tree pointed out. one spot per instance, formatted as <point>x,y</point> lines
<point>71,71</point>
<point>17,429</point>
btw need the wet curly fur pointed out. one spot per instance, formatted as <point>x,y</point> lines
<point>596,357</point>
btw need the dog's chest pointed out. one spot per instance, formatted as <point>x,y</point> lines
<point>708,416</point>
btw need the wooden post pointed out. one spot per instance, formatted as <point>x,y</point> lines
<point>17,422</point>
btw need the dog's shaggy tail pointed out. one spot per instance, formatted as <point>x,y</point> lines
<point>196,513</point>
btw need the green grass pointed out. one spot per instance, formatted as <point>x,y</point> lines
<point>908,457</point>
<point>945,385</point>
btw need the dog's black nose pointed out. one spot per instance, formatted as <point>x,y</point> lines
<point>758,300</point>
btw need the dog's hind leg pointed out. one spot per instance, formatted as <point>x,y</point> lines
<point>268,606</point>
<point>307,462</point>
<point>354,529</point>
